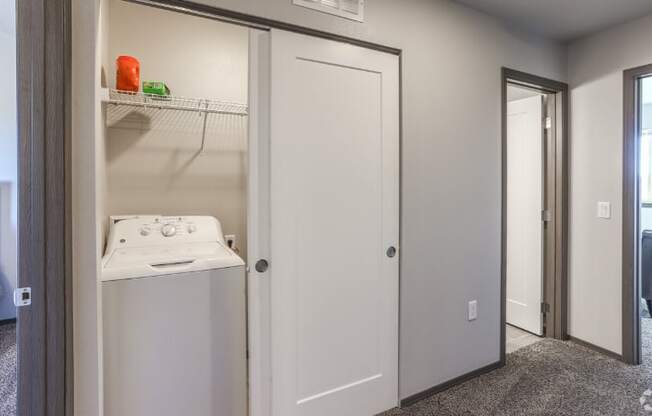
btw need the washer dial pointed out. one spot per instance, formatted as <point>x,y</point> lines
<point>168,230</point>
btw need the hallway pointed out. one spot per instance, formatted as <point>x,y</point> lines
<point>550,378</point>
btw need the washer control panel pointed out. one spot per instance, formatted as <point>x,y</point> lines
<point>156,230</point>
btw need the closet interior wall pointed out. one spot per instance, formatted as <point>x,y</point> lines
<point>153,159</point>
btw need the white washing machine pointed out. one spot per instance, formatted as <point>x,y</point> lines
<point>174,319</point>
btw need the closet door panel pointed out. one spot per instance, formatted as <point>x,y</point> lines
<point>334,214</point>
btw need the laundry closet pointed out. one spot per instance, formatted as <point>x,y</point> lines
<point>246,184</point>
<point>173,184</point>
<point>185,154</point>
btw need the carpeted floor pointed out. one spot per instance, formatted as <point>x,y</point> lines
<point>550,378</point>
<point>8,370</point>
<point>543,379</point>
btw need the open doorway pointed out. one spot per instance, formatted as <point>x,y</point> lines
<point>534,210</point>
<point>645,223</point>
<point>8,209</point>
<point>637,214</point>
<point>526,134</point>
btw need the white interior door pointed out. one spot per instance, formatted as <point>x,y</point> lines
<point>524,203</point>
<point>334,214</point>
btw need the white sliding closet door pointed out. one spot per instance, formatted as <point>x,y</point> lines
<point>524,203</point>
<point>334,213</point>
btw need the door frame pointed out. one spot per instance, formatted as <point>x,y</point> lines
<point>631,323</point>
<point>43,49</point>
<point>555,260</point>
<point>88,368</point>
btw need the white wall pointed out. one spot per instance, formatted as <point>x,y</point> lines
<point>8,161</point>
<point>452,57</point>
<point>596,66</point>
<point>157,170</point>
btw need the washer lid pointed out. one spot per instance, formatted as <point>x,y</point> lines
<point>134,262</point>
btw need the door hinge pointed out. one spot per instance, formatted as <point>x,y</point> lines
<point>22,296</point>
<point>545,308</point>
<point>548,122</point>
<point>546,215</point>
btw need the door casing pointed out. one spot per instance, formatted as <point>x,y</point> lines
<point>556,243</point>
<point>45,327</point>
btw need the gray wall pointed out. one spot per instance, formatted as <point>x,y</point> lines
<point>596,66</point>
<point>451,168</point>
<point>450,186</point>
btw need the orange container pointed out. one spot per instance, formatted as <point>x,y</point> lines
<point>127,73</point>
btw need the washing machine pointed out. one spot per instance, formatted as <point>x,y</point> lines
<point>173,311</point>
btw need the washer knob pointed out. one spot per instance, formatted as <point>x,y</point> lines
<point>192,228</point>
<point>168,230</point>
<point>145,231</point>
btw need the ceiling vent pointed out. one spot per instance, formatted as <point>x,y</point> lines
<point>349,9</point>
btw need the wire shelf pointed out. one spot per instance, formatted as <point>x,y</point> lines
<point>198,105</point>
<point>137,110</point>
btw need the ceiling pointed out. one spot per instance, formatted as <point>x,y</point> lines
<point>563,20</point>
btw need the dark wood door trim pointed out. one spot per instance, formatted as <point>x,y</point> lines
<point>558,263</point>
<point>43,61</point>
<point>631,292</point>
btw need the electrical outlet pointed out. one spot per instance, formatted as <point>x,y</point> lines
<point>230,240</point>
<point>473,310</point>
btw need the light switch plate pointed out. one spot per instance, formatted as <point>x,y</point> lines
<point>604,210</point>
<point>473,310</point>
